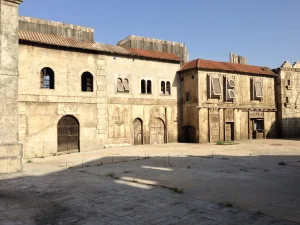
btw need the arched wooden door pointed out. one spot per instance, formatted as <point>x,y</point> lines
<point>68,135</point>
<point>157,131</point>
<point>138,132</point>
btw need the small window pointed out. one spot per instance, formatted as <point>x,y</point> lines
<point>47,78</point>
<point>87,82</point>
<point>287,100</point>
<point>182,79</point>
<point>187,96</point>
<point>258,90</point>
<point>163,87</point>
<point>149,87</point>
<point>216,86</point>
<point>120,87</point>
<point>168,88</point>
<point>288,82</point>
<point>193,77</point>
<point>126,85</point>
<point>143,86</point>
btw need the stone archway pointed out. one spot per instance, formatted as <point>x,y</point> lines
<point>68,135</point>
<point>138,131</point>
<point>157,131</point>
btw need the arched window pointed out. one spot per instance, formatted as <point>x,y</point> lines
<point>143,86</point>
<point>163,87</point>
<point>87,82</point>
<point>47,78</point>
<point>168,88</point>
<point>126,85</point>
<point>120,87</point>
<point>149,87</point>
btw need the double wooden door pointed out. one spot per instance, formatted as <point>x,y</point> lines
<point>68,135</point>
<point>157,131</point>
<point>138,132</point>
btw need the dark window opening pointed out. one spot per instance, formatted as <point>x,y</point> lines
<point>289,82</point>
<point>193,77</point>
<point>163,88</point>
<point>187,96</point>
<point>47,78</point>
<point>168,88</point>
<point>259,125</point>
<point>143,86</point>
<point>149,87</point>
<point>287,99</point>
<point>182,79</point>
<point>87,82</point>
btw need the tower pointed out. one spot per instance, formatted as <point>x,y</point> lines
<point>10,148</point>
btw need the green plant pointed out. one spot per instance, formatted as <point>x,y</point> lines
<point>178,190</point>
<point>228,204</point>
<point>111,175</point>
<point>225,143</point>
<point>29,161</point>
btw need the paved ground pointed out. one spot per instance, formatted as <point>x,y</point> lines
<point>140,185</point>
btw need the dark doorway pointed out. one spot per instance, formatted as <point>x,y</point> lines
<point>68,135</point>
<point>190,133</point>
<point>138,131</point>
<point>229,132</point>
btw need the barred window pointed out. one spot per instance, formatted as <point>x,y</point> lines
<point>47,78</point>
<point>87,82</point>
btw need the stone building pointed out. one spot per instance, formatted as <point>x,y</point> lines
<point>288,100</point>
<point>79,95</point>
<point>62,92</point>
<point>226,101</point>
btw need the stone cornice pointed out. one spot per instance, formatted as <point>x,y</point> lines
<point>15,1</point>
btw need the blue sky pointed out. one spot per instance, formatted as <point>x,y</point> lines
<point>265,31</point>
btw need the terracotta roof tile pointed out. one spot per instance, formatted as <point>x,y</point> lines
<point>227,67</point>
<point>54,40</point>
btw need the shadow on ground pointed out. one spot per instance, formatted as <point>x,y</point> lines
<point>211,189</point>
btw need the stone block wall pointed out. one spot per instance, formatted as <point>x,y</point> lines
<point>10,148</point>
<point>288,100</point>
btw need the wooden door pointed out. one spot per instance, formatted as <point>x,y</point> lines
<point>138,132</point>
<point>229,132</point>
<point>68,134</point>
<point>157,131</point>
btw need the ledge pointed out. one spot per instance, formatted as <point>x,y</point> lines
<point>15,1</point>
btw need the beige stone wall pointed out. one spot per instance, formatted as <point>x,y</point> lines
<point>41,109</point>
<point>124,108</point>
<point>210,119</point>
<point>10,148</point>
<point>288,100</point>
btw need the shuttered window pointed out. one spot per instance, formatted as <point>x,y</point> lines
<point>216,86</point>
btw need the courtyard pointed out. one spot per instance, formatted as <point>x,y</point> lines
<point>250,182</point>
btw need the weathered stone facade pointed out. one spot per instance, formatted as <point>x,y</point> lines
<point>62,92</point>
<point>288,100</point>
<point>10,148</point>
<point>208,118</point>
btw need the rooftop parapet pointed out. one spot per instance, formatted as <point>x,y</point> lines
<point>78,33</point>
<point>153,44</point>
